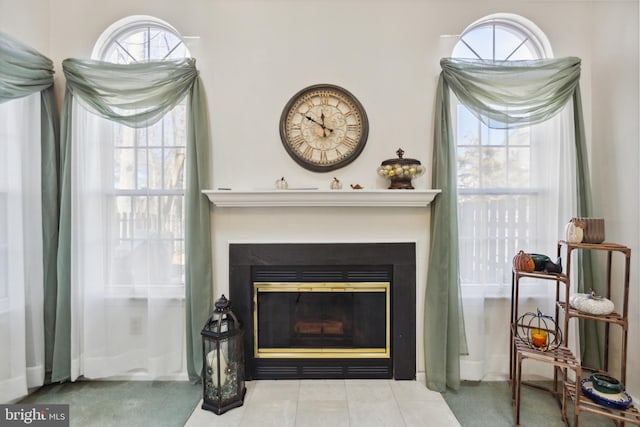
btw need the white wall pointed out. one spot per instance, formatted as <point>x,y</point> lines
<point>253,55</point>
<point>615,149</point>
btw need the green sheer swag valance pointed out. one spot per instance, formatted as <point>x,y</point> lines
<point>501,94</point>
<point>138,95</point>
<point>23,70</point>
<point>512,93</point>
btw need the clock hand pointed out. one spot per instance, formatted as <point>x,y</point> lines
<point>324,128</point>
<point>312,120</point>
<point>323,125</point>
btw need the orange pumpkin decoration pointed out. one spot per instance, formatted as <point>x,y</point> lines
<point>523,262</point>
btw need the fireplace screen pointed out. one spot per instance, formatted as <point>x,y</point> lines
<point>321,320</point>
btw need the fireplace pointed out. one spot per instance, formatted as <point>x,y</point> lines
<point>326,310</point>
<point>321,320</point>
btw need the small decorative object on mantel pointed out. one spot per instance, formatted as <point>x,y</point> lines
<point>400,171</point>
<point>591,304</point>
<point>281,184</point>
<point>335,184</point>
<point>356,187</point>
<point>539,331</point>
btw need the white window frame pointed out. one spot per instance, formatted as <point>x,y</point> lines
<point>141,143</point>
<point>538,44</point>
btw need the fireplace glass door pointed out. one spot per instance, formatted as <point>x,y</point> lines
<point>322,320</point>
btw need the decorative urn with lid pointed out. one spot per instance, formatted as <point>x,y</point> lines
<point>400,171</point>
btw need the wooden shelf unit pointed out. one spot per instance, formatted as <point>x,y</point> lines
<point>615,318</point>
<point>561,358</point>
<point>618,318</point>
<point>564,388</point>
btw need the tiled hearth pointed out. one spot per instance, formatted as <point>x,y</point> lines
<point>335,403</point>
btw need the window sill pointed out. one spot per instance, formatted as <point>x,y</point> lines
<point>144,293</point>
<point>503,291</point>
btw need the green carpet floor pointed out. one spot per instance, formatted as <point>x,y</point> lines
<point>123,403</point>
<point>488,404</point>
<point>169,404</point>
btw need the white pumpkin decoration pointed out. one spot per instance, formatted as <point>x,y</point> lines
<point>591,304</point>
<point>281,184</point>
<point>574,231</point>
<point>336,184</point>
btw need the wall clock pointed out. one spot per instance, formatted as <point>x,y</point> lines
<point>324,127</point>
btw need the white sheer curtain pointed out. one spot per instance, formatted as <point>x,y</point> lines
<point>128,317</point>
<point>21,271</point>
<point>552,174</point>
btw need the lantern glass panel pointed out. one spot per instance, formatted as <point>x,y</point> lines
<point>224,366</point>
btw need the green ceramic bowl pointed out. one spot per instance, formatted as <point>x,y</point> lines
<point>606,384</point>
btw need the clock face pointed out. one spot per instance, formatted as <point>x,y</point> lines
<point>324,127</point>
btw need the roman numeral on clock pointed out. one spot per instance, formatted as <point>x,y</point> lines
<point>297,141</point>
<point>349,142</point>
<point>308,152</point>
<point>323,157</point>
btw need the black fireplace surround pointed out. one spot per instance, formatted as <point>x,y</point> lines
<point>328,262</point>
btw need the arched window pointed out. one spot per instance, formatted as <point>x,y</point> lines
<point>148,168</point>
<point>502,38</point>
<point>498,169</point>
<point>128,228</point>
<point>137,39</point>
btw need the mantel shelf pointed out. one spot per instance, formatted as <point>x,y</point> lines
<point>315,198</point>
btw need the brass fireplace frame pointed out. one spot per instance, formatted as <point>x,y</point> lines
<point>322,353</point>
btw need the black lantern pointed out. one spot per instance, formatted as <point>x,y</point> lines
<point>222,360</point>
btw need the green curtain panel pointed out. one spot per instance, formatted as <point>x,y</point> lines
<point>138,95</point>
<point>500,94</point>
<point>24,71</point>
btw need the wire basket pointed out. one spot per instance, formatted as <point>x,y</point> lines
<point>539,331</point>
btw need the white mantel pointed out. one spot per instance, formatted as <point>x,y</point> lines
<point>322,216</point>
<point>316,198</point>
